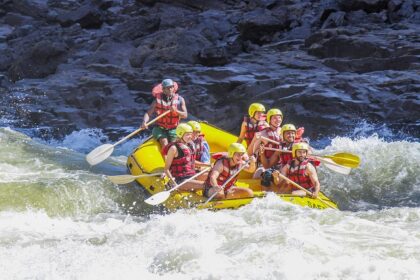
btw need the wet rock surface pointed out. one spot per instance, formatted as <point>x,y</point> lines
<point>69,65</point>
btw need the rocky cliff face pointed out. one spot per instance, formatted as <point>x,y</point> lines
<point>326,64</point>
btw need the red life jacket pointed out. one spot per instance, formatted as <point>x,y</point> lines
<point>251,128</point>
<point>157,89</point>
<point>171,120</point>
<point>298,173</point>
<point>273,135</point>
<point>299,133</point>
<point>197,146</point>
<point>225,174</point>
<point>286,157</point>
<point>183,164</point>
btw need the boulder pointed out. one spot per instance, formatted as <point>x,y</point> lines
<point>175,46</point>
<point>260,26</point>
<point>40,61</point>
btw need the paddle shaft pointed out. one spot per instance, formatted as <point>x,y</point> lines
<point>226,182</point>
<point>125,179</point>
<point>318,157</point>
<point>189,179</point>
<point>305,190</point>
<point>141,128</point>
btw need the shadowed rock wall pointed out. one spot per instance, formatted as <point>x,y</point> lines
<point>326,64</point>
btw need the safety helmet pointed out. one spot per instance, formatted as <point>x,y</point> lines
<point>273,112</point>
<point>181,129</point>
<point>167,83</point>
<point>235,148</point>
<point>255,107</point>
<point>287,127</point>
<point>195,126</point>
<point>299,146</point>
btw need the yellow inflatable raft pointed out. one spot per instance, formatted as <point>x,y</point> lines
<point>147,159</point>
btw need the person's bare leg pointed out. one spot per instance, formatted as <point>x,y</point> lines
<point>192,186</point>
<point>237,192</point>
<point>299,193</point>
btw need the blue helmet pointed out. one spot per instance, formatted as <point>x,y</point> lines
<point>167,83</point>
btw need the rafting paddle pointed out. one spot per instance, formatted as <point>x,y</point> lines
<point>227,181</point>
<point>329,163</point>
<point>346,159</point>
<point>341,158</point>
<point>102,152</point>
<point>126,178</point>
<point>308,192</point>
<point>163,196</point>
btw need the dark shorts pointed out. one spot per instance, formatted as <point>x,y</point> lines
<point>160,132</point>
<point>179,180</point>
<point>206,190</point>
<point>208,187</point>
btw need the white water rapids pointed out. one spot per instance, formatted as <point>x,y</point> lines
<point>61,219</point>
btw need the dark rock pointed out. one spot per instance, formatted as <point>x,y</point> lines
<point>6,59</point>
<point>334,20</point>
<point>326,64</point>
<point>345,46</point>
<point>87,16</point>
<point>398,10</point>
<point>195,4</point>
<point>5,31</point>
<point>260,26</point>
<point>369,6</point>
<point>371,64</point>
<point>326,8</point>
<point>176,46</point>
<point>40,61</point>
<point>35,9</point>
<point>136,27</point>
<point>15,19</point>
<point>214,56</point>
<point>215,26</point>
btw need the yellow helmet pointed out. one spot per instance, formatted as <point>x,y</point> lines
<point>235,148</point>
<point>195,126</point>
<point>273,112</point>
<point>287,127</point>
<point>255,107</point>
<point>299,146</point>
<point>183,128</point>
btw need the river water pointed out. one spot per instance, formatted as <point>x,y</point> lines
<point>61,219</point>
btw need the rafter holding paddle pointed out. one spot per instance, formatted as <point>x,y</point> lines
<point>226,182</point>
<point>339,162</point>
<point>102,152</point>
<point>161,197</point>
<point>307,191</point>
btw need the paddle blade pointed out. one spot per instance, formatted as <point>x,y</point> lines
<point>329,163</point>
<point>346,159</point>
<point>122,179</point>
<point>99,154</point>
<point>158,198</point>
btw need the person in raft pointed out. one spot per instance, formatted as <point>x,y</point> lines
<point>274,118</point>
<point>199,145</point>
<point>278,159</point>
<point>222,171</point>
<point>166,99</point>
<point>180,160</point>
<point>301,171</point>
<point>252,123</point>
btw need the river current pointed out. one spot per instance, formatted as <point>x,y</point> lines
<point>62,219</point>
